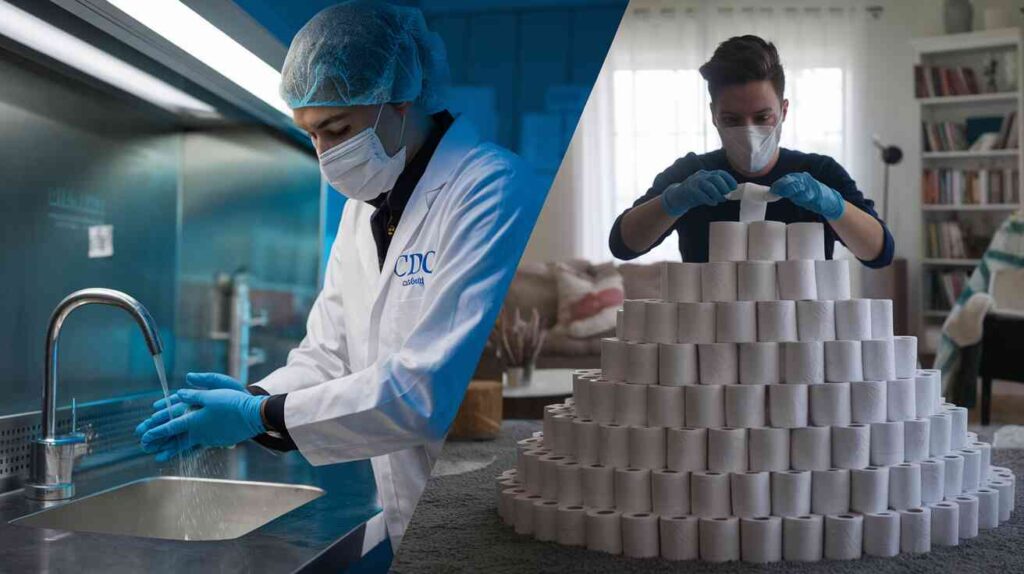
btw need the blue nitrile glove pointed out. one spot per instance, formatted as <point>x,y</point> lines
<point>205,381</point>
<point>802,189</point>
<point>220,417</point>
<point>701,188</point>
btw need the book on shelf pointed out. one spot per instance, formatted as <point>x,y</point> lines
<point>935,81</point>
<point>947,286</point>
<point>945,240</point>
<point>950,186</point>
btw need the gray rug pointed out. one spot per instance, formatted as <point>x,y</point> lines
<point>456,529</point>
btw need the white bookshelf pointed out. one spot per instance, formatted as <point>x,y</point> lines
<point>973,49</point>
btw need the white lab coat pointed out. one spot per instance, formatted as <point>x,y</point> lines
<point>388,354</point>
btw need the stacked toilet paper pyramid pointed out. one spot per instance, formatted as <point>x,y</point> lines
<point>756,412</point>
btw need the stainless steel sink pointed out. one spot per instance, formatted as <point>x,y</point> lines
<point>176,508</point>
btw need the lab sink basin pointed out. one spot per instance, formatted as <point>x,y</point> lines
<point>177,508</point>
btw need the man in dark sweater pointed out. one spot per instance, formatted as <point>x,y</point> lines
<point>746,82</point>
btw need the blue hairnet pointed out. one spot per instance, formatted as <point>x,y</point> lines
<point>362,52</point>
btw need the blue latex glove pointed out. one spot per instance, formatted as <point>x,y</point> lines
<point>206,381</point>
<point>802,189</point>
<point>701,188</point>
<point>220,417</point>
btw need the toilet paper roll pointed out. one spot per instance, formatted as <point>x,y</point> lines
<point>791,493</point>
<point>787,406</point>
<point>755,281</point>
<point>602,401</point>
<point>564,442</point>
<point>549,470</point>
<point>916,439</point>
<point>507,509</point>
<point>882,534</point>
<point>524,512</point>
<point>815,320</point>
<point>851,446</point>
<point>887,443</point>
<point>710,494</point>
<point>1005,489</point>
<point>642,363</point>
<point>647,447</point>
<point>718,281</point>
<point>581,393</point>
<point>720,539</point>
<point>534,480</point>
<point>751,494</point>
<point>869,489</point>
<point>705,406</point>
<point>614,359</point>
<point>967,520</point>
<point>938,434</point>
<point>681,282</point>
<point>727,449</point>
<point>766,241</point>
<point>686,449</point>
<point>727,241</point>
<point>802,538</point>
<point>640,535</point>
<point>986,459</point>
<point>570,484</point>
<point>598,486</point>
<point>604,530</point>
<point>670,492</point>
<point>719,363</point>
<point>924,402</point>
<point>760,364</point>
<point>661,321</point>
<point>633,489</point>
<point>571,526</point>
<point>900,402</point>
<point>905,350</point>
<point>680,537</point>
<point>545,520</point>
<point>830,491</point>
<point>630,404</point>
<point>844,536</point>
<point>878,360</point>
<point>881,319</point>
<point>736,322</point>
<point>665,406</point>
<point>696,323</point>
<point>614,450</point>
<point>769,449</point>
<point>843,362</point>
<point>550,411</point>
<point>830,404</point>
<point>811,448</point>
<point>620,332</point>
<point>904,486</point>
<point>988,507</point>
<point>677,364</point>
<point>954,478</point>
<point>915,530</point>
<point>958,427</point>
<point>853,319</point>
<point>796,280</point>
<point>745,406</point>
<point>634,311</point>
<point>587,440</point>
<point>868,401</point>
<point>776,321</point>
<point>804,362</point>
<point>972,469</point>
<point>833,279</point>
<point>761,539</point>
<point>929,388</point>
<point>945,523</point>
<point>933,480</point>
<point>805,241</point>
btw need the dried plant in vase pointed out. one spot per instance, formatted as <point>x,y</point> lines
<point>517,344</point>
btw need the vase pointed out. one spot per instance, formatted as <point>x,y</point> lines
<point>959,16</point>
<point>517,376</point>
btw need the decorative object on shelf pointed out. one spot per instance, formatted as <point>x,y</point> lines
<point>517,344</point>
<point>995,18</point>
<point>958,16</point>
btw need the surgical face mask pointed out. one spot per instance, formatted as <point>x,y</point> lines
<point>360,168</point>
<point>750,148</point>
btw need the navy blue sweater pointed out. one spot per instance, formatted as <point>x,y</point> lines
<point>692,227</point>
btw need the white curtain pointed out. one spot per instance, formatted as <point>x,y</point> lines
<point>650,104</point>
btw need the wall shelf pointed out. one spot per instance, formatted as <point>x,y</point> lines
<point>970,99</point>
<point>950,262</point>
<point>972,207</point>
<point>970,154</point>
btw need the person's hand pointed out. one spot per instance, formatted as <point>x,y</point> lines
<point>220,417</point>
<point>802,189</point>
<point>206,381</point>
<point>210,381</point>
<point>701,188</point>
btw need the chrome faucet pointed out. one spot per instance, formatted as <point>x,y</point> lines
<point>53,455</point>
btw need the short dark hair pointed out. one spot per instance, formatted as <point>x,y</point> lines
<point>743,59</point>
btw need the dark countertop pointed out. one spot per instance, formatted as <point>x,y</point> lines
<point>326,534</point>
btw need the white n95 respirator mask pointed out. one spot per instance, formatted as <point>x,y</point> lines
<point>359,168</point>
<point>750,148</point>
